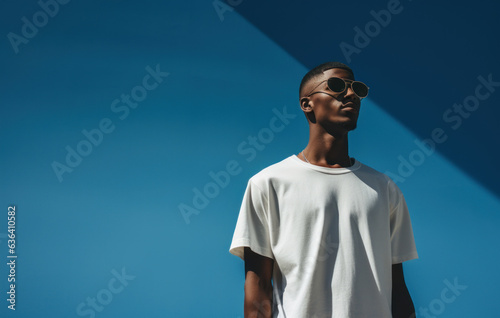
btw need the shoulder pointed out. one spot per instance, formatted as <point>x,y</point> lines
<point>275,171</point>
<point>381,178</point>
<point>366,171</point>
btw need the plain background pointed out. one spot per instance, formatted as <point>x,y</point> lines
<point>229,73</point>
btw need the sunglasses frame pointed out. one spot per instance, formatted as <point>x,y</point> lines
<point>347,83</point>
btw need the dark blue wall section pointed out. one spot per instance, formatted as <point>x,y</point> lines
<point>423,62</point>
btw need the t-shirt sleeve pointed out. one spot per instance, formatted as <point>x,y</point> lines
<point>402,241</point>
<point>252,227</point>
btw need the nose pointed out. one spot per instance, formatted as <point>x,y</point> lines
<point>349,93</point>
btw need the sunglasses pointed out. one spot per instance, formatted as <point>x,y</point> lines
<point>339,85</point>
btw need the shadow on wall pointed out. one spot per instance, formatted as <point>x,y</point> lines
<point>431,71</point>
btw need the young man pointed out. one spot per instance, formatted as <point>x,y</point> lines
<point>321,234</point>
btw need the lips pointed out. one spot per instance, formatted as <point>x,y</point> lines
<point>350,107</point>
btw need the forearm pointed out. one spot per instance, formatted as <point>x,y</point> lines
<point>258,298</point>
<point>258,285</point>
<point>402,305</point>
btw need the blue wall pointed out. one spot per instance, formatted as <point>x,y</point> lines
<point>116,115</point>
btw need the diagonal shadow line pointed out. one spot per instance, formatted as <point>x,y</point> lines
<point>304,30</point>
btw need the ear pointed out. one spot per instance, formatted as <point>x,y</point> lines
<point>306,104</point>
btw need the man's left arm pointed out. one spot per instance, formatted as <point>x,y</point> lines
<point>402,305</point>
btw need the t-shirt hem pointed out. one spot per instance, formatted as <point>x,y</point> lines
<point>404,258</point>
<point>237,249</point>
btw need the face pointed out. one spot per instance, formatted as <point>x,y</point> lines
<point>336,113</point>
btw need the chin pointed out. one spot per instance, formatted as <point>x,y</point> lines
<point>339,126</point>
<point>341,129</point>
<point>349,125</point>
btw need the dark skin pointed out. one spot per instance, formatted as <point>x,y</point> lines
<point>331,116</point>
<point>258,286</point>
<point>402,305</point>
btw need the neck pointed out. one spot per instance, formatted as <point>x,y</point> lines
<point>327,150</point>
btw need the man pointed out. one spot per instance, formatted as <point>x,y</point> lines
<point>321,234</point>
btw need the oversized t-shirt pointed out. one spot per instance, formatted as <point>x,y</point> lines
<point>333,234</point>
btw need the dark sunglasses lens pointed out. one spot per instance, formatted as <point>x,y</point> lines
<point>360,89</point>
<point>336,84</point>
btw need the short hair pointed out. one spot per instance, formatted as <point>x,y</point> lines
<point>318,70</point>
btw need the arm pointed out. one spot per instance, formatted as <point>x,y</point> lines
<point>258,287</point>
<point>402,305</point>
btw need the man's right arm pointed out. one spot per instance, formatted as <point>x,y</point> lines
<point>258,286</point>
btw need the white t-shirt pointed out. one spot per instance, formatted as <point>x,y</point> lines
<point>333,233</point>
